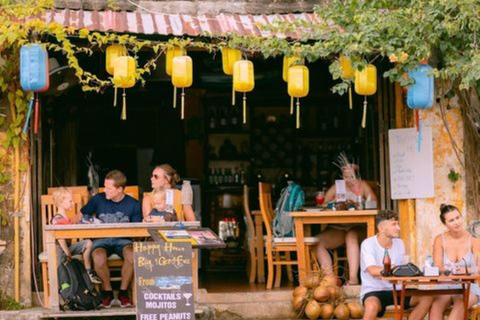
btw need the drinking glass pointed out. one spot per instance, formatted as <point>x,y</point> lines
<point>319,198</point>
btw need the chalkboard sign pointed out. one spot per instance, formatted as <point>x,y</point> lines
<point>411,163</point>
<point>163,280</point>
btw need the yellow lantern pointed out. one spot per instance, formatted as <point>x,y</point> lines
<point>114,51</point>
<point>298,86</point>
<point>347,72</point>
<point>124,76</point>
<point>366,84</point>
<point>243,81</point>
<point>229,57</point>
<point>172,53</point>
<point>287,63</point>
<point>182,76</point>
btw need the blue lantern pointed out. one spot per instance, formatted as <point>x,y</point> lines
<point>34,76</point>
<point>420,94</point>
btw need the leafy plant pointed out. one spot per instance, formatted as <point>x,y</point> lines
<point>453,175</point>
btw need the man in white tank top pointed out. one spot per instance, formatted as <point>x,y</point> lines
<point>377,294</point>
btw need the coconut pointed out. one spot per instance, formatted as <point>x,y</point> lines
<point>356,310</point>
<point>327,311</point>
<point>334,291</point>
<point>297,302</point>
<point>341,312</point>
<point>330,280</point>
<point>300,290</point>
<point>312,281</point>
<point>321,294</point>
<point>313,310</point>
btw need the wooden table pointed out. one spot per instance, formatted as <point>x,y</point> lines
<point>465,281</point>
<point>102,230</point>
<point>306,218</point>
<point>260,249</point>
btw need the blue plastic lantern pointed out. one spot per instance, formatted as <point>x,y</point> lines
<point>34,76</point>
<point>420,94</point>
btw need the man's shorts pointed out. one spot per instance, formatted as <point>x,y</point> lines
<point>112,245</point>
<point>75,248</point>
<point>386,299</point>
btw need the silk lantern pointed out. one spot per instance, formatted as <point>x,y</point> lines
<point>113,51</point>
<point>229,57</point>
<point>34,77</point>
<point>182,76</point>
<point>420,94</point>
<point>287,63</point>
<point>172,53</point>
<point>124,76</point>
<point>347,72</point>
<point>243,81</point>
<point>366,85</point>
<point>298,86</point>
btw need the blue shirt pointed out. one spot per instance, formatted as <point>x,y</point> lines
<point>108,211</point>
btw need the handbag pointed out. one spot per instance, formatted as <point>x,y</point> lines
<point>407,270</point>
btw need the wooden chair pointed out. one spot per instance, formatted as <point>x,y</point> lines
<point>276,246</point>
<point>251,236</point>
<point>81,190</point>
<point>132,191</point>
<point>49,210</point>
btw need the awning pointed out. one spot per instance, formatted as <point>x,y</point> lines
<point>173,24</point>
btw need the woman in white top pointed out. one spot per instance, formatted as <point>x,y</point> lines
<point>454,251</point>
<point>164,176</point>
<point>335,236</point>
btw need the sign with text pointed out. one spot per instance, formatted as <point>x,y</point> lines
<point>411,163</point>
<point>163,281</point>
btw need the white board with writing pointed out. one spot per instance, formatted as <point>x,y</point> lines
<point>411,163</point>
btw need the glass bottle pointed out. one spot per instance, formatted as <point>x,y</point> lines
<point>387,263</point>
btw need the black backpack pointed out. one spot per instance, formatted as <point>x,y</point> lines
<point>75,287</point>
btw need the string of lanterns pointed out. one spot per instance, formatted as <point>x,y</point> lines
<point>34,77</point>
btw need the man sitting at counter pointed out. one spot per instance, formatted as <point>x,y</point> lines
<point>350,189</point>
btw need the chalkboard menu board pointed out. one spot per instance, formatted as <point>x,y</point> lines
<point>411,163</point>
<point>163,279</point>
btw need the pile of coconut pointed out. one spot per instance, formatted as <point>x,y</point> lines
<point>321,298</point>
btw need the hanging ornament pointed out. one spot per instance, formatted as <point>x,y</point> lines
<point>114,51</point>
<point>124,76</point>
<point>243,81</point>
<point>287,63</point>
<point>366,85</point>
<point>172,53</point>
<point>229,57</point>
<point>298,86</point>
<point>347,72</point>
<point>420,94</point>
<point>182,76</point>
<point>34,77</point>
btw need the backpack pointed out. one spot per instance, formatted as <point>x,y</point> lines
<point>292,198</point>
<point>75,287</point>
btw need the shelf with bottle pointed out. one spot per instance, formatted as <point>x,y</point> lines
<point>225,119</point>
<point>226,176</point>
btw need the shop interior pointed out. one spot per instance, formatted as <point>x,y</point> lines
<point>82,134</point>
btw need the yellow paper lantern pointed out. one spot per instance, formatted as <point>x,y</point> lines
<point>298,86</point>
<point>124,76</point>
<point>172,53</point>
<point>182,76</point>
<point>229,57</point>
<point>290,62</point>
<point>114,51</point>
<point>346,67</point>
<point>366,84</point>
<point>243,81</point>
